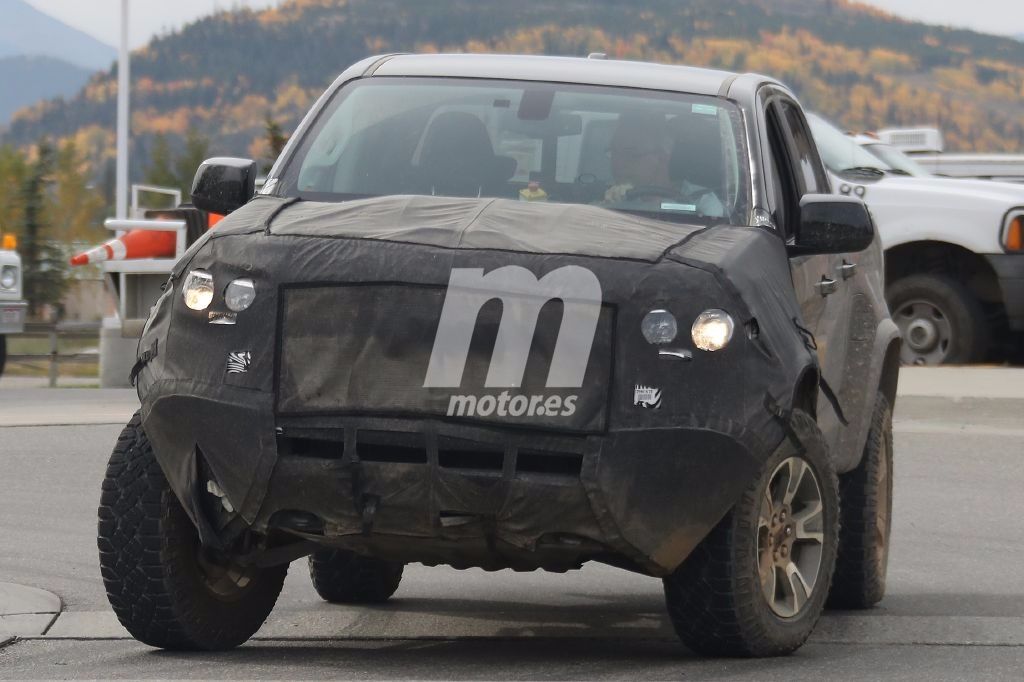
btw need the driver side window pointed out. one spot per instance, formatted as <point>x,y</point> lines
<point>786,199</point>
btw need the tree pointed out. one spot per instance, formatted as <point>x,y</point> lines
<point>161,166</point>
<point>74,207</point>
<point>276,140</point>
<point>45,270</point>
<point>13,169</point>
<point>197,149</point>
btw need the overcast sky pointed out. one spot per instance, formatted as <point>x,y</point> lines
<point>100,18</point>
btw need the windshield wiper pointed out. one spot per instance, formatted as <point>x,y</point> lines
<point>864,170</point>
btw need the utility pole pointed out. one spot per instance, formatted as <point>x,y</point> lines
<point>123,86</point>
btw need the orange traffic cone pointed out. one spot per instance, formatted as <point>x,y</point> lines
<point>134,244</point>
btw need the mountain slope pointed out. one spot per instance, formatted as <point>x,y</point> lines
<point>225,74</point>
<point>25,31</point>
<point>28,80</point>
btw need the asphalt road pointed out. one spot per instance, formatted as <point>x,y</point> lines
<point>955,607</point>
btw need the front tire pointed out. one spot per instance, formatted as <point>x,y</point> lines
<point>343,577</point>
<point>165,588</point>
<point>757,584</point>
<point>940,320</point>
<point>866,499</point>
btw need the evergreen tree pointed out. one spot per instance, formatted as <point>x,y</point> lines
<point>45,273</point>
<point>197,150</point>
<point>276,140</point>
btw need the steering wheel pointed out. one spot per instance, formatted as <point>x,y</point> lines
<point>641,191</point>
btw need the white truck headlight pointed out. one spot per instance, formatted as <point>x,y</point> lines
<point>240,294</point>
<point>659,326</point>
<point>8,277</point>
<point>198,290</point>
<point>712,330</point>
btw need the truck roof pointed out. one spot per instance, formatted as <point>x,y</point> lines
<point>589,71</point>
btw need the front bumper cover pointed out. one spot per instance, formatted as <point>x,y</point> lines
<point>1009,269</point>
<point>434,492</point>
<point>12,316</point>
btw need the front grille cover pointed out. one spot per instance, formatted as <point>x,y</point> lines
<point>365,349</point>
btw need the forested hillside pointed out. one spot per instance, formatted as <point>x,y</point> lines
<point>224,76</point>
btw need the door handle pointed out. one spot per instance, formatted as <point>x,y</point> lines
<point>827,286</point>
<point>848,270</point>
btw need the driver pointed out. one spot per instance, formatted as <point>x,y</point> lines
<point>640,156</point>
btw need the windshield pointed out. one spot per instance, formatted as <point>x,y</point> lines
<point>840,153</point>
<point>897,160</point>
<point>669,156</point>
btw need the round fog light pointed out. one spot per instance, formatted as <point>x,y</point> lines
<point>240,294</point>
<point>198,290</point>
<point>712,330</point>
<point>659,326</point>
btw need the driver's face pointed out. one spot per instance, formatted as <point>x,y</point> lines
<point>639,155</point>
<point>640,166</point>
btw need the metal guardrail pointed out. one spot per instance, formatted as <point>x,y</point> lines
<point>55,332</point>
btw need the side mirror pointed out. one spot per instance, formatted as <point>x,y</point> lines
<point>831,223</point>
<point>224,184</point>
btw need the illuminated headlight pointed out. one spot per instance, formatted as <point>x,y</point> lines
<point>8,277</point>
<point>659,326</point>
<point>240,294</point>
<point>712,330</point>
<point>198,290</point>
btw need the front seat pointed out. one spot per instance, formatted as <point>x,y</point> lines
<point>457,158</point>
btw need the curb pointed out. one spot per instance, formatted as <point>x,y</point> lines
<point>26,612</point>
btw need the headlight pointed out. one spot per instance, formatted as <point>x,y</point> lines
<point>198,290</point>
<point>712,330</point>
<point>659,326</point>
<point>9,277</point>
<point>240,294</point>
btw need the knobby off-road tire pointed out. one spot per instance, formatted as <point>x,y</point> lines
<point>166,590</point>
<point>865,496</point>
<point>717,600</point>
<point>342,577</point>
<point>939,308</point>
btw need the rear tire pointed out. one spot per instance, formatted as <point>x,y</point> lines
<point>718,600</point>
<point>342,577</point>
<point>865,496</point>
<point>940,320</point>
<point>166,589</point>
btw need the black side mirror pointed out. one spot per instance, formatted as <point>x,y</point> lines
<point>831,223</point>
<point>224,184</point>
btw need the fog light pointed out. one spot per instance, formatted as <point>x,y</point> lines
<point>712,330</point>
<point>240,294</point>
<point>198,290</point>
<point>659,326</point>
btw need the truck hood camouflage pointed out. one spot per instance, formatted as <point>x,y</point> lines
<point>392,327</point>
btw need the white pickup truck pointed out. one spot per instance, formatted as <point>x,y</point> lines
<point>12,308</point>
<point>954,248</point>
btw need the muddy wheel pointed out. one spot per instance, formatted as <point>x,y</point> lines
<point>866,519</point>
<point>940,320</point>
<point>166,589</point>
<point>757,584</point>
<point>342,577</point>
